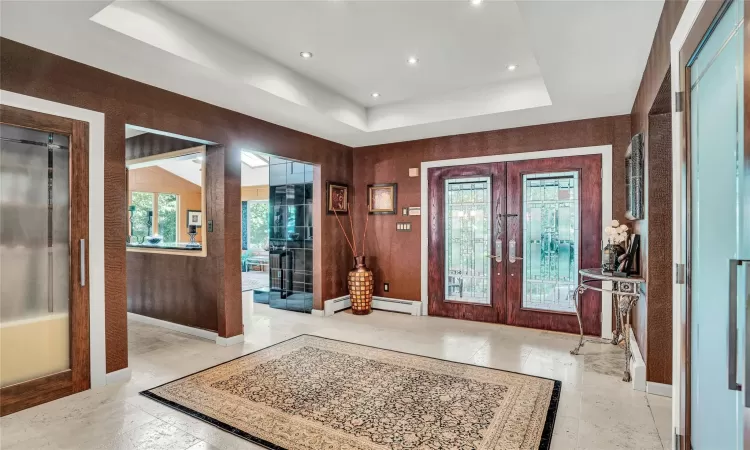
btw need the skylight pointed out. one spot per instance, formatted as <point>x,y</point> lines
<point>253,160</point>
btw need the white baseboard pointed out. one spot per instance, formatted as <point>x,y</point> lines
<point>201,333</point>
<point>234,340</point>
<point>665,390</point>
<point>334,305</point>
<point>413,307</point>
<point>119,376</point>
<point>637,365</point>
<point>318,312</point>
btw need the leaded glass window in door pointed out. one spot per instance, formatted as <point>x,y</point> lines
<point>550,240</point>
<point>467,239</point>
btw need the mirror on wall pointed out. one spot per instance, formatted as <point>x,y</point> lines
<point>166,198</point>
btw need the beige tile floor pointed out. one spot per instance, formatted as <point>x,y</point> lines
<point>597,411</point>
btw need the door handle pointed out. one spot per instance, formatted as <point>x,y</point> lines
<point>83,262</point>
<point>498,250</point>
<point>734,264</point>
<point>512,251</point>
<point>747,332</point>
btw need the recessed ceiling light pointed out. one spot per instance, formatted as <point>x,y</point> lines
<point>413,60</point>
<point>375,95</point>
<point>476,2</point>
<point>306,55</point>
<point>512,67</point>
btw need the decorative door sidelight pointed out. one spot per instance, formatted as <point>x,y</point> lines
<point>506,241</point>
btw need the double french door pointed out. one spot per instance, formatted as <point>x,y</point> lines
<point>506,241</point>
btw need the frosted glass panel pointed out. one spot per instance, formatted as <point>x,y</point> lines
<point>467,239</point>
<point>34,254</point>
<point>716,158</point>
<point>550,237</point>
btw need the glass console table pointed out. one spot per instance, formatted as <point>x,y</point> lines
<point>625,292</point>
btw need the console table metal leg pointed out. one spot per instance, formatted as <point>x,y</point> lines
<point>579,290</point>
<point>626,304</point>
<point>617,332</point>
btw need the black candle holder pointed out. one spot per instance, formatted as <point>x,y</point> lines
<point>131,211</point>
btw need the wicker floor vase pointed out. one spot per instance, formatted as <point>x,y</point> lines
<point>361,284</point>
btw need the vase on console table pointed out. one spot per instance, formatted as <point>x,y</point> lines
<point>361,284</point>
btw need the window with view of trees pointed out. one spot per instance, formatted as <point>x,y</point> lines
<point>143,202</point>
<point>168,205</point>
<point>163,222</point>
<point>257,224</point>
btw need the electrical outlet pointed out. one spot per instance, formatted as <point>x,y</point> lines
<point>386,287</point>
<point>210,226</point>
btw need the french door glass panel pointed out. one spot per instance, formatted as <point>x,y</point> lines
<point>716,213</point>
<point>550,234</point>
<point>468,203</point>
<point>34,254</point>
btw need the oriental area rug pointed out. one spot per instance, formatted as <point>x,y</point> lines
<point>311,393</point>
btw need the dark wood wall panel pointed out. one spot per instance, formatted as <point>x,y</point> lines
<point>29,71</point>
<point>654,97</point>
<point>150,144</point>
<point>188,290</point>
<point>657,64</point>
<point>659,287</point>
<point>394,256</point>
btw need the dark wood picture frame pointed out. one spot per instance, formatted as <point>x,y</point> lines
<point>187,217</point>
<point>330,186</point>
<point>77,378</point>
<point>394,193</point>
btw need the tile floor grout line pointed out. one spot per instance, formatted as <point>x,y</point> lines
<point>653,418</point>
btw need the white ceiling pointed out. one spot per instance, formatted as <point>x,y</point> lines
<point>577,59</point>
<point>458,46</point>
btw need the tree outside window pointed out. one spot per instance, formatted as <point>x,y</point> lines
<point>163,222</point>
<point>257,220</point>
<point>143,202</point>
<point>168,208</point>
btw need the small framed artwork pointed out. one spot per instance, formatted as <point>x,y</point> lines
<point>338,198</point>
<point>381,198</point>
<point>194,217</point>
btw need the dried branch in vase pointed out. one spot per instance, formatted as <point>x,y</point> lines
<point>353,242</point>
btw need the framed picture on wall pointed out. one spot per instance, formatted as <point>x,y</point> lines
<point>194,217</point>
<point>337,198</point>
<point>381,198</point>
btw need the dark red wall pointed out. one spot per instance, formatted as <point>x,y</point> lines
<point>394,256</point>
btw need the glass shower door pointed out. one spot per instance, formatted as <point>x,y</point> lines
<point>34,254</point>
<point>716,235</point>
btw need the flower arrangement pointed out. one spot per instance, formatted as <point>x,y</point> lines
<point>617,239</point>
<point>616,233</point>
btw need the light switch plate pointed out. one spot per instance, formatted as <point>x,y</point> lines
<point>414,171</point>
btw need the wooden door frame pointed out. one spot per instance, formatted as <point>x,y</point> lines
<point>706,19</point>
<point>78,378</point>
<point>496,311</point>
<point>604,150</point>
<point>588,168</point>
